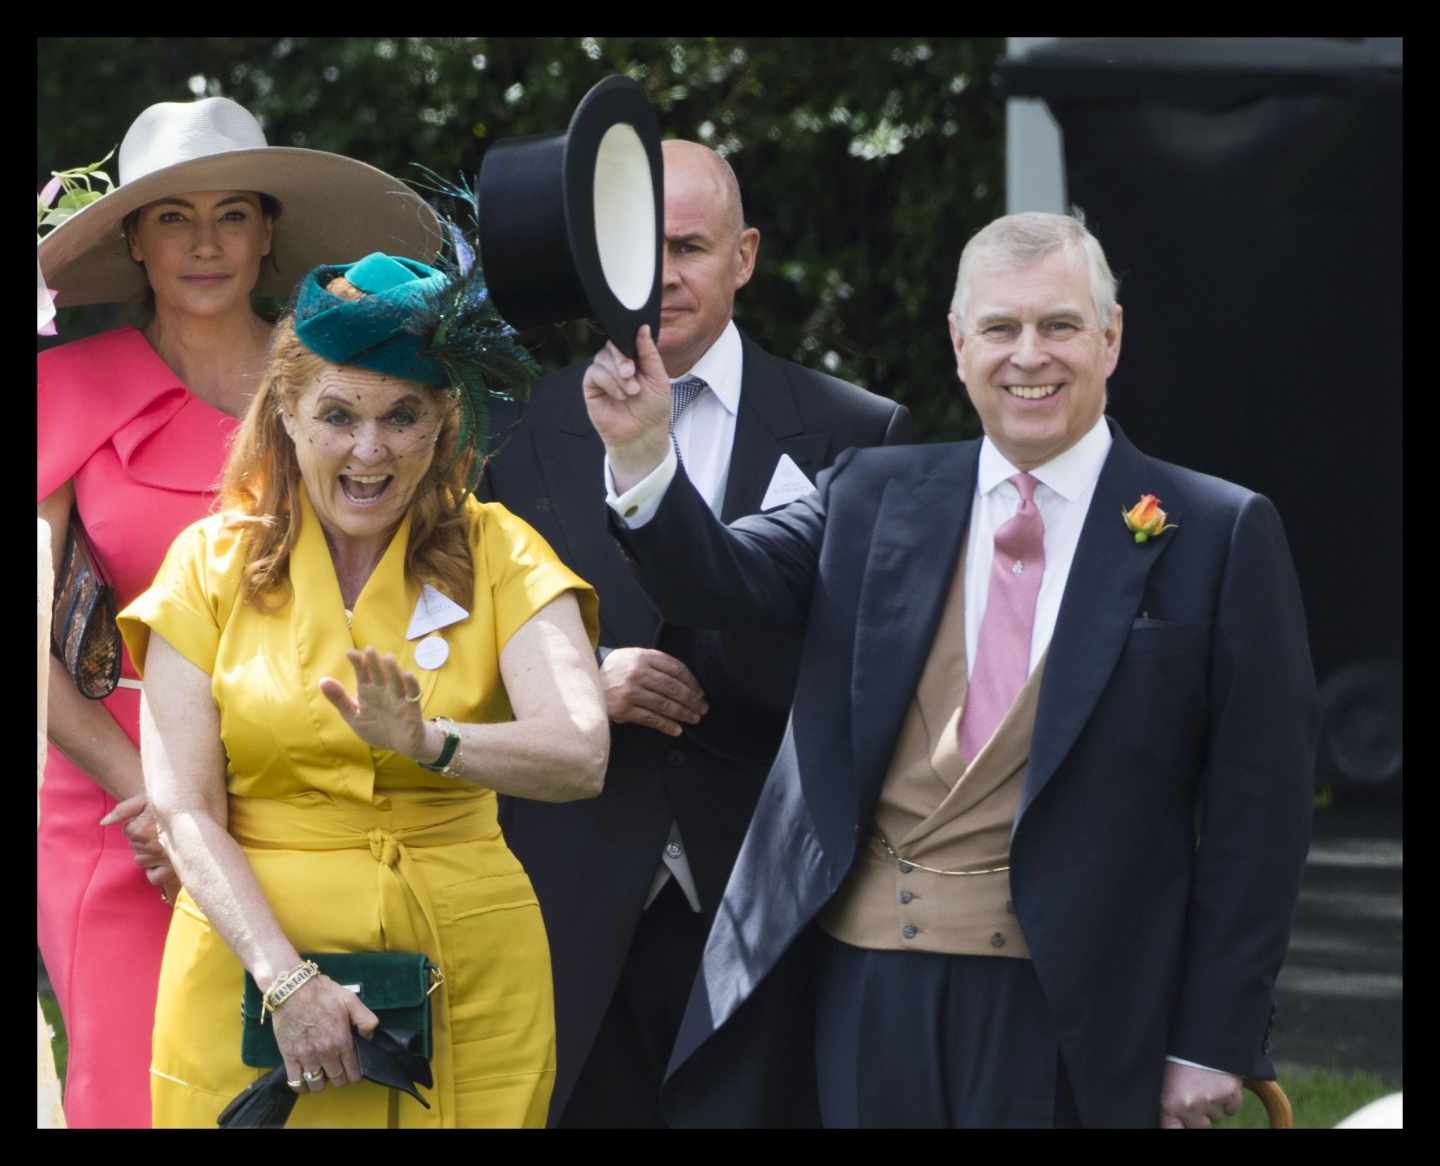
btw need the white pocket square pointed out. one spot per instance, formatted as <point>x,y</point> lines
<point>786,484</point>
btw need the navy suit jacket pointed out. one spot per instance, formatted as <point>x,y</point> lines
<point>1165,807</point>
<point>592,861</point>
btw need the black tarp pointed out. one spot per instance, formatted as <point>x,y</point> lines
<point>1247,193</point>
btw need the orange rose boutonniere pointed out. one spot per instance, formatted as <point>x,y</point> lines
<point>1146,519</point>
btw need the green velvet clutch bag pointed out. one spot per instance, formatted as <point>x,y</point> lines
<point>395,985</point>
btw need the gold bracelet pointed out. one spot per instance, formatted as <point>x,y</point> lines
<point>286,986</point>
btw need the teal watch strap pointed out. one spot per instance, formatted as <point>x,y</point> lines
<point>452,742</point>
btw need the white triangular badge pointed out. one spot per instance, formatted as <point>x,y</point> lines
<point>434,611</point>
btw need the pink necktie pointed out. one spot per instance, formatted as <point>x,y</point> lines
<point>1002,659</point>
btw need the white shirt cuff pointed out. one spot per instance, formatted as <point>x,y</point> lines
<point>638,504</point>
<point>1195,1065</point>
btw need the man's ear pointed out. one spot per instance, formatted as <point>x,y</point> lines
<point>749,247</point>
<point>1112,340</point>
<point>957,337</point>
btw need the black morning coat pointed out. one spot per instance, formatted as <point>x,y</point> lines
<point>592,862</point>
<point>1165,808</point>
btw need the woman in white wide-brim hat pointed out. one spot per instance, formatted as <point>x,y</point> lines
<point>133,427</point>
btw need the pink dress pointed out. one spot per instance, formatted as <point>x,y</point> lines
<point>144,455</point>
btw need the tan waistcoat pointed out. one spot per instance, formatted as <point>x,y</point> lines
<point>938,811</point>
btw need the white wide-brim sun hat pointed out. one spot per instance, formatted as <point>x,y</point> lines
<point>333,209</point>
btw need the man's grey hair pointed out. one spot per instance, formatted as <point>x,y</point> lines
<point>1025,238</point>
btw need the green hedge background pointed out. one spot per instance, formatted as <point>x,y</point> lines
<point>865,162</point>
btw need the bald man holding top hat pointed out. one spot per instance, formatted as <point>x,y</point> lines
<point>630,881</point>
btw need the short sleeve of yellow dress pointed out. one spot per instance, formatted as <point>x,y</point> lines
<point>359,849</point>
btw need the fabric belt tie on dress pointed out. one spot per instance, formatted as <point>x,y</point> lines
<point>384,849</point>
<point>319,822</point>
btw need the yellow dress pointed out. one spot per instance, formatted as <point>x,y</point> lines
<point>359,849</point>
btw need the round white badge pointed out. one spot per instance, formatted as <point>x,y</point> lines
<point>431,652</point>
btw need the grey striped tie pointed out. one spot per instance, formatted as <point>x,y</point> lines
<point>682,393</point>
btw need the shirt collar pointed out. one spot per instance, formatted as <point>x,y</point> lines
<point>1069,474</point>
<point>720,368</point>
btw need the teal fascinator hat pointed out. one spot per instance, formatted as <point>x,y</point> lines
<point>374,331</point>
<point>433,325</point>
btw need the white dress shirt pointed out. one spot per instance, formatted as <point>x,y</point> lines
<point>1067,483</point>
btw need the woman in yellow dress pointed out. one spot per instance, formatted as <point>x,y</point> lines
<point>305,816</point>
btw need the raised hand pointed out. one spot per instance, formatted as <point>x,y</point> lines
<point>385,712</point>
<point>629,405</point>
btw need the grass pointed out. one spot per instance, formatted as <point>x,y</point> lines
<point>1319,1098</point>
<point>60,1044</point>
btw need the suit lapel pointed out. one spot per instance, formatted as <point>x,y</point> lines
<point>913,551</point>
<point>1102,599</point>
<point>570,458</point>
<point>767,425</point>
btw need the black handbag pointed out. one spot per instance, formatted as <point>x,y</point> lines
<point>395,985</point>
<point>83,631</point>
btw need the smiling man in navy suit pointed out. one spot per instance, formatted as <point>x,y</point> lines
<point>1030,849</point>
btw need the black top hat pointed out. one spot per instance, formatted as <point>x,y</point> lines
<point>572,225</point>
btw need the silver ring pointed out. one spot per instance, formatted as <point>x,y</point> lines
<point>414,699</point>
<point>296,1085</point>
<point>310,1076</point>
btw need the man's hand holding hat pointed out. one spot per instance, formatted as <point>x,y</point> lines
<point>629,405</point>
